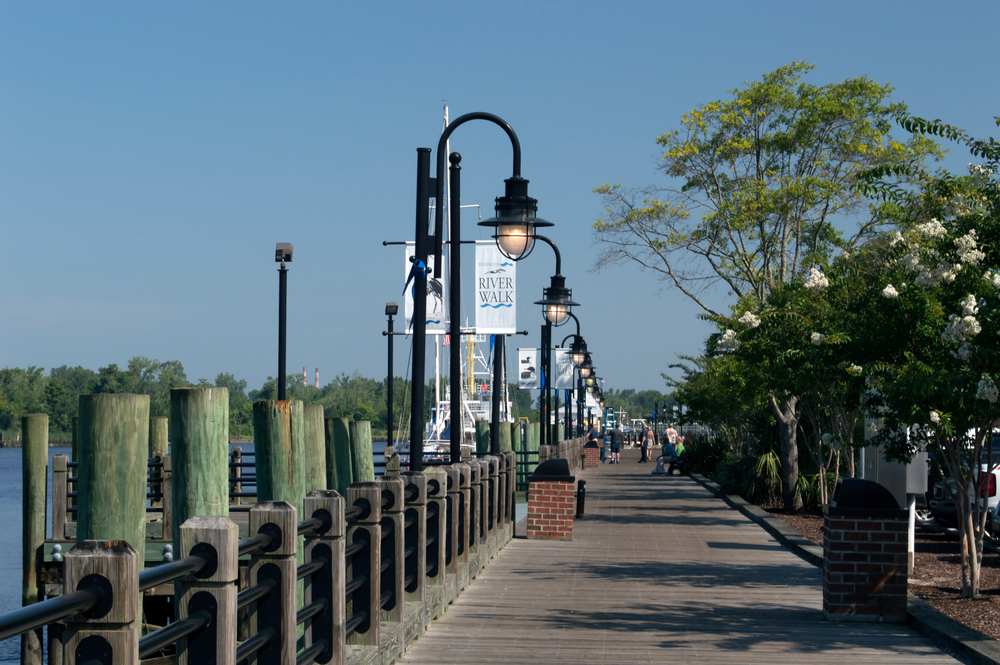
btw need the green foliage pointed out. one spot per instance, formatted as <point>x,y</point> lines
<point>756,184</point>
<point>756,478</point>
<point>704,455</point>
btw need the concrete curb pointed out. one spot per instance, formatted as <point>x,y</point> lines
<point>957,637</point>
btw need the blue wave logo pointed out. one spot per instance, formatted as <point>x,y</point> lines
<point>485,304</point>
<point>506,263</point>
<point>429,321</point>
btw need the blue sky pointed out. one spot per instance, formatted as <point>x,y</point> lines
<point>151,154</point>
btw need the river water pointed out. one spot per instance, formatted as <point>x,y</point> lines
<point>10,524</point>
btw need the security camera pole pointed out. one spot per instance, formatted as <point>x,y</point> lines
<point>282,253</point>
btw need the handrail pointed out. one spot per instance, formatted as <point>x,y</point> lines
<point>41,614</point>
<point>313,652</point>
<point>254,543</point>
<point>308,526</point>
<point>167,635</point>
<point>254,644</point>
<point>352,624</point>
<point>354,585</point>
<point>168,572</point>
<point>310,610</point>
<point>259,592</point>
<point>310,568</point>
<point>353,549</point>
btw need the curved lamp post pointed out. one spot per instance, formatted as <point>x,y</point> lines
<point>577,355</point>
<point>515,237</point>
<point>514,205</point>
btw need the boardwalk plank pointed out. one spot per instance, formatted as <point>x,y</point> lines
<point>658,572</point>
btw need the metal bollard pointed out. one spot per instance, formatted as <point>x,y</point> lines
<point>581,497</point>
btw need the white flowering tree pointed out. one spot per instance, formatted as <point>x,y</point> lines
<point>939,382</point>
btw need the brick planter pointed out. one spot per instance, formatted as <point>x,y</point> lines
<point>551,506</point>
<point>864,564</point>
<point>591,455</point>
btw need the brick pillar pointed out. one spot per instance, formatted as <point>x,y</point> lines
<point>591,455</point>
<point>864,564</point>
<point>550,509</point>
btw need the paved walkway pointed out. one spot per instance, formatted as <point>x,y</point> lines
<point>658,572</point>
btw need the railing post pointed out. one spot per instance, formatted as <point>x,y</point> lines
<point>474,512</point>
<point>511,486</point>
<point>277,563</point>
<point>464,508</point>
<point>482,513</point>
<point>415,564</point>
<point>60,488</point>
<point>436,524</point>
<point>391,628</point>
<point>493,507</point>
<point>500,528</point>
<point>366,563</point>
<point>112,637</point>
<point>392,461</point>
<point>214,591</point>
<point>328,584</point>
<point>451,534</point>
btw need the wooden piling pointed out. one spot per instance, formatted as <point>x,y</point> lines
<point>114,442</point>
<point>315,449</point>
<point>60,487</point>
<point>34,460</point>
<point>482,436</point>
<point>531,445</point>
<point>74,442</point>
<point>338,455</point>
<point>505,436</point>
<point>159,428</point>
<point>362,461</point>
<point>278,433</point>
<point>199,421</point>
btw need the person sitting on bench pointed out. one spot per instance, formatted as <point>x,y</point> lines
<point>668,456</point>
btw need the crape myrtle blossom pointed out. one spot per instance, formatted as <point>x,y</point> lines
<point>816,280</point>
<point>854,370</point>
<point>728,341</point>
<point>967,251</point>
<point>932,229</point>
<point>750,320</point>
<point>964,352</point>
<point>935,417</point>
<point>817,338</point>
<point>993,278</point>
<point>890,292</point>
<point>987,390</point>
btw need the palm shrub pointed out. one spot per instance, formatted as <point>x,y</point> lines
<point>704,455</point>
<point>756,478</point>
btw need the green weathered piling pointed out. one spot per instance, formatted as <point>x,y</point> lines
<point>505,436</point>
<point>199,422</point>
<point>34,460</point>
<point>515,436</point>
<point>279,446</point>
<point>315,450</point>
<point>74,443</point>
<point>114,441</point>
<point>338,455</point>
<point>159,427</point>
<point>531,445</point>
<point>482,436</point>
<point>362,461</point>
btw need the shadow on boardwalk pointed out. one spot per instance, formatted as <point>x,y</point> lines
<point>658,572</point>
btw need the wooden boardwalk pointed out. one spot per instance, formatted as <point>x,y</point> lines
<point>658,572</point>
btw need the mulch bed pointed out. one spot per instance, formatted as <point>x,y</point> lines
<point>937,574</point>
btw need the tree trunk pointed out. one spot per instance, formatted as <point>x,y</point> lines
<point>788,424</point>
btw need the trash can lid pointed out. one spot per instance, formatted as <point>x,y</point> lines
<point>860,493</point>
<point>556,469</point>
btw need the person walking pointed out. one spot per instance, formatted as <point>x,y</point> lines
<point>647,443</point>
<point>617,439</point>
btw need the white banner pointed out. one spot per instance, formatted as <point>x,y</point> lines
<point>563,369</point>
<point>495,288</point>
<point>435,296</point>
<point>527,369</point>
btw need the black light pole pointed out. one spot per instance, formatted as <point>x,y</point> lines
<point>578,354</point>
<point>418,276</point>
<point>282,254</point>
<point>391,308</point>
<point>515,205</point>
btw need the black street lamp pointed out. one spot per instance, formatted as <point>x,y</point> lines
<point>391,309</point>
<point>577,356</point>
<point>282,255</point>
<point>514,205</point>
